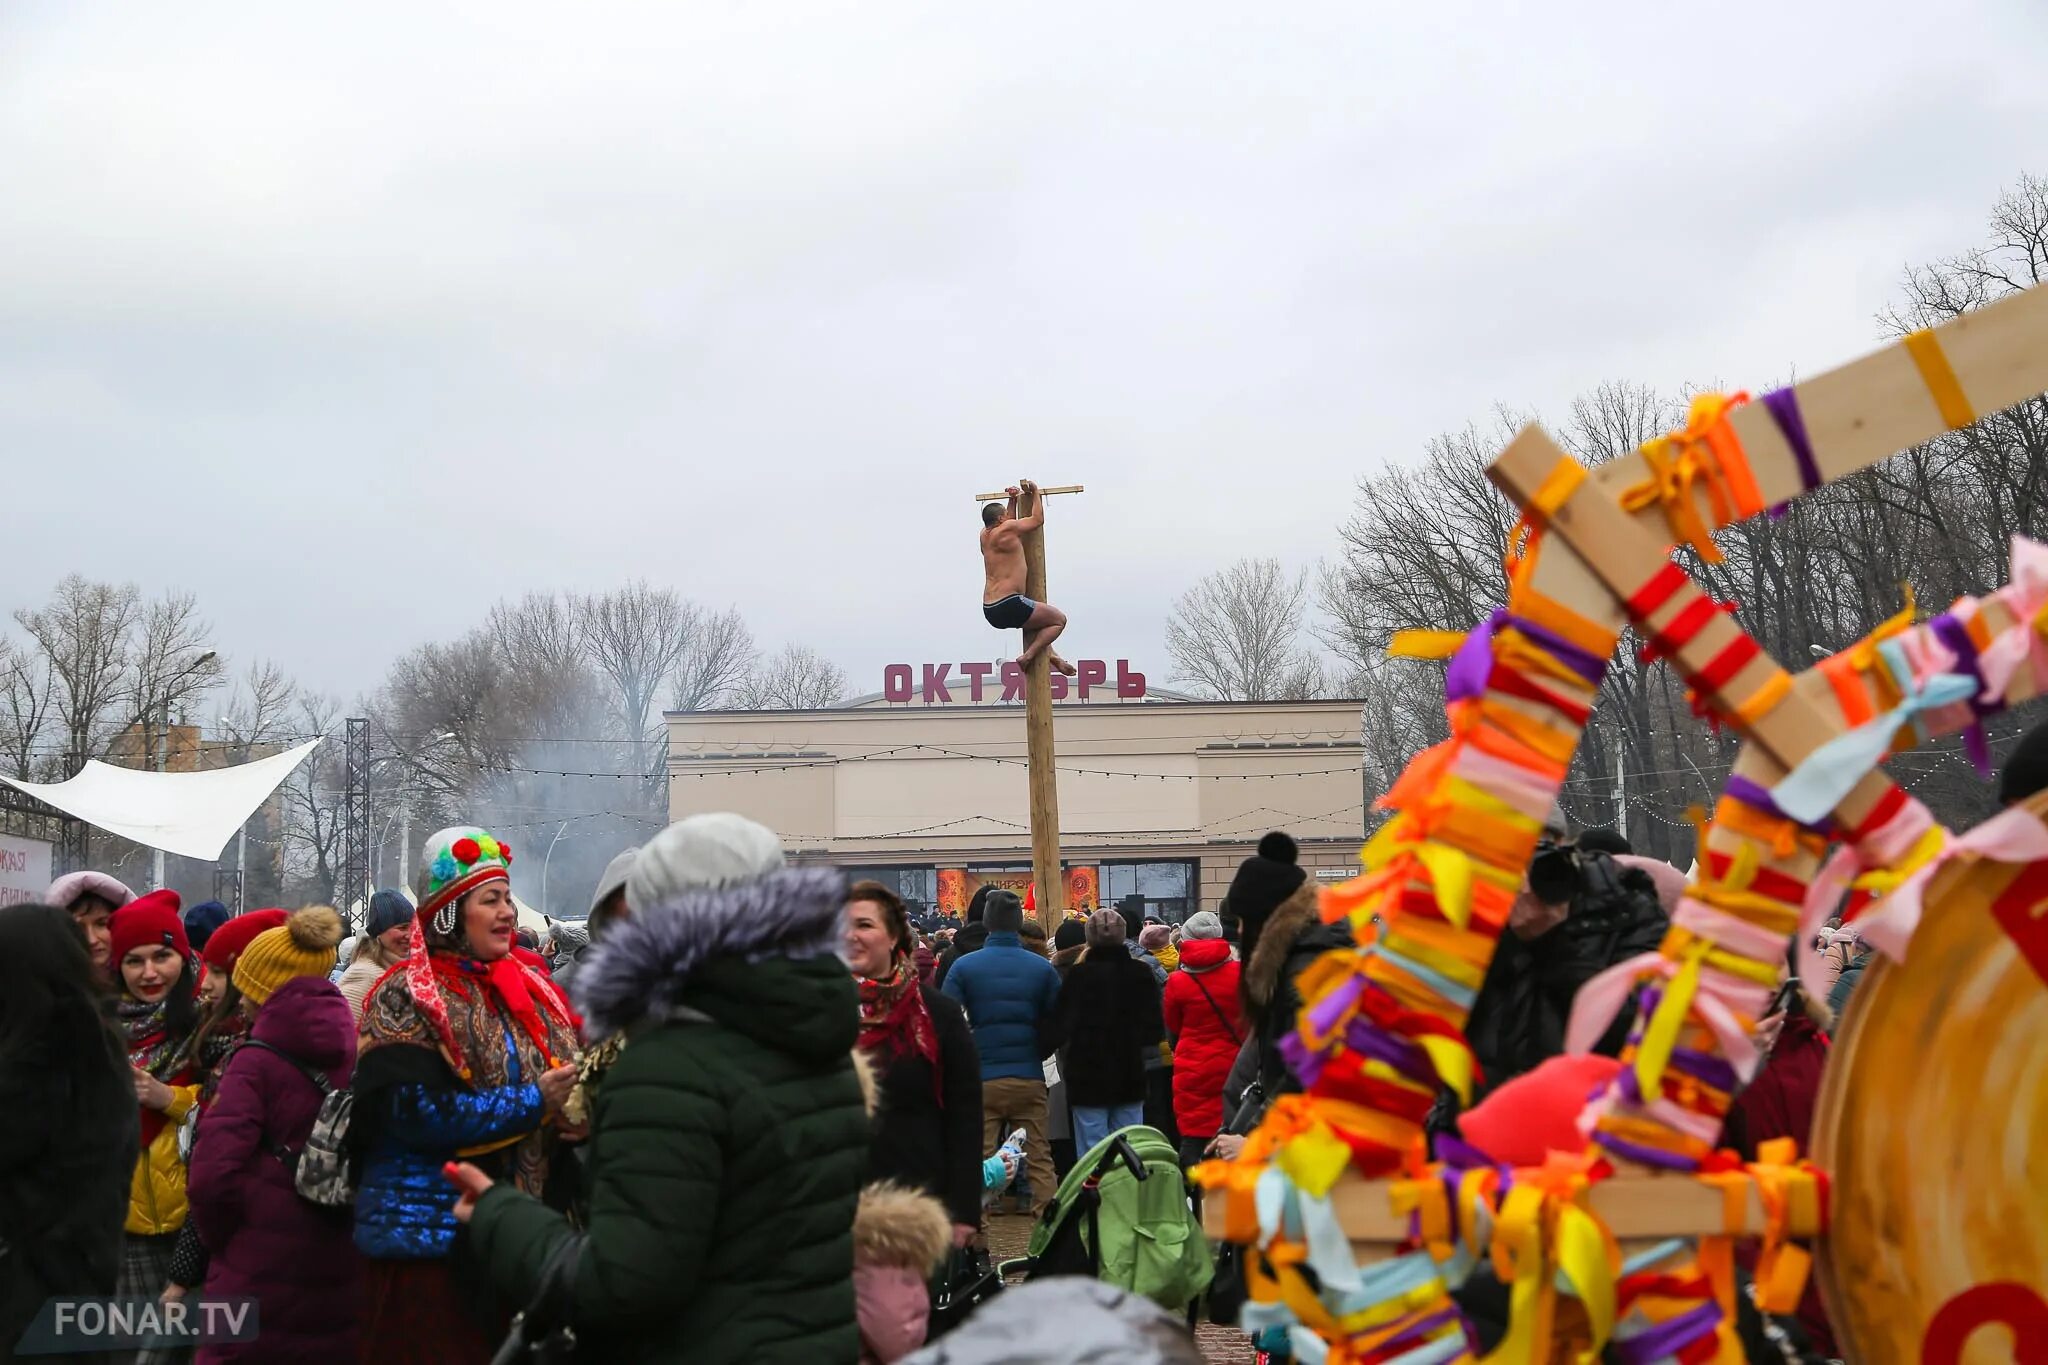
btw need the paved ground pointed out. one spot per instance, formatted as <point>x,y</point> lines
<point>1007,1235</point>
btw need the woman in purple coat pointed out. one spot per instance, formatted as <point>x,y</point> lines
<point>297,1259</point>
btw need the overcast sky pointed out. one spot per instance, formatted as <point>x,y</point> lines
<point>354,318</point>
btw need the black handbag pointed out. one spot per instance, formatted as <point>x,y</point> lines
<point>540,1332</point>
<point>1224,1299</point>
<point>969,1280</point>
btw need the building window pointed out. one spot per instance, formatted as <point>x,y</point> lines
<point>918,886</point>
<point>1167,889</point>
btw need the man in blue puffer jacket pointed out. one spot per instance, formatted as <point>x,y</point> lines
<point>1009,992</point>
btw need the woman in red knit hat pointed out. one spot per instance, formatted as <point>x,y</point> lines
<point>158,1012</point>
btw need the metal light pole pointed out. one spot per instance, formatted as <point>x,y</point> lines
<point>163,754</point>
<point>545,859</point>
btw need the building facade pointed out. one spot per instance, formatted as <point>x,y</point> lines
<point>1160,797</point>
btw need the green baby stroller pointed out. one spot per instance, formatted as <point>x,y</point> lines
<point>1121,1216</point>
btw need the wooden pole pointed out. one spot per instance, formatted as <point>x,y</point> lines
<point>1044,777</point>
<point>1048,890</point>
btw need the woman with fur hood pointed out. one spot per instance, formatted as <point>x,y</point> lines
<point>728,1142</point>
<point>1280,935</point>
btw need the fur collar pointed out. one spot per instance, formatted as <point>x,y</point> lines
<point>1276,941</point>
<point>639,969</point>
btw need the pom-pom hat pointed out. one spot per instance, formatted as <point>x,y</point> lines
<point>458,860</point>
<point>304,945</point>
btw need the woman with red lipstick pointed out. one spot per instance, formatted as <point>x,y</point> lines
<point>158,1012</point>
<point>468,1053</point>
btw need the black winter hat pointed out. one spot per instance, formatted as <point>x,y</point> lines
<point>1072,933</point>
<point>1262,882</point>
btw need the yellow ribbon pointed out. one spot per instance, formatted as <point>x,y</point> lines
<point>1425,644</point>
<point>1882,881</point>
<point>1660,1035</point>
<point>1314,1160</point>
<point>1940,378</point>
<point>1586,1256</point>
<point>1519,1261</point>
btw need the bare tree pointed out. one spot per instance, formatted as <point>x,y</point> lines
<point>313,800</point>
<point>795,678</point>
<point>542,629</point>
<point>635,636</point>
<point>171,664</point>
<point>717,658</point>
<point>84,633</point>
<point>1423,550</point>
<point>28,694</point>
<point>258,713</point>
<point>1236,635</point>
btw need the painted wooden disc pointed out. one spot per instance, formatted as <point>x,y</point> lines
<point>1933,1128</point>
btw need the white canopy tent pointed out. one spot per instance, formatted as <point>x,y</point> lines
<point>189,814</point>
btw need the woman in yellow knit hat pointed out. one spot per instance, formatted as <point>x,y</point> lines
<point>295,1258</point>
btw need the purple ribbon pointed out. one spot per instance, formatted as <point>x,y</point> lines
<point>1953,633</point>
<point>1410,1060</point>
<point>1307,1066</point>
<point>1461,1155</point>
<point>1418,1333</point>
<point>1783,405</point>
<point>1705,1067</point>
<point>1472,665</point>
<point>1667,1337</point>
<point>1324,1013</point>
<point>1647,1156</point>
<point>1752,794</point>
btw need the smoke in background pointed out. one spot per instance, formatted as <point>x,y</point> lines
<point>564,829</point>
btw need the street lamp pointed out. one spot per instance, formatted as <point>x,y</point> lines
<point>549,855</point>
<point>163,752</point>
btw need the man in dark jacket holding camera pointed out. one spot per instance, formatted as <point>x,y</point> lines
<point>1579,913</point>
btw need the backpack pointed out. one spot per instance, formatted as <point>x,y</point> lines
<point>320,1168</point>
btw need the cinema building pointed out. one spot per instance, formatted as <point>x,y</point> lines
<point>922,786</point>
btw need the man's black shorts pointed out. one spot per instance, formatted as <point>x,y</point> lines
<point>1010,613</point>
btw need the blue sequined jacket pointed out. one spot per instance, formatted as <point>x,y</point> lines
<point>404,1208</point>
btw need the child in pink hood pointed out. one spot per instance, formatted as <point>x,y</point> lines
<point>899,1237</point>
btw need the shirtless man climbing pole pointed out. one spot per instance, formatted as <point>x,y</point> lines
<point>1002,593</point>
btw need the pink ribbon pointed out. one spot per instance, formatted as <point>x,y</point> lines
<point>1514,785</point>
<point>2023,595</point>
<point>2014,836</point>
<point>1719,994</point>
<point>1882,847</point>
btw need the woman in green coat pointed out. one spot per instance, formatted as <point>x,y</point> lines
<point>729,1141</point>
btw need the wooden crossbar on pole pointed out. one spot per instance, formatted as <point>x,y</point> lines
<point>998,497</point>
<point>1049,890</point>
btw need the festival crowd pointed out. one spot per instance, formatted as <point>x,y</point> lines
<point>744,1112</point>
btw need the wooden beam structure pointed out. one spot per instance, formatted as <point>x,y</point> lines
<point>1048,887</point>
<point>1639,1207</point>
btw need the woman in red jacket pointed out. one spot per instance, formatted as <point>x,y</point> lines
<point>1203,1018</point>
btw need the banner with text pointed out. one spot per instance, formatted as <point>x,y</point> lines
<point>937,683</point>
<point>24,869</point>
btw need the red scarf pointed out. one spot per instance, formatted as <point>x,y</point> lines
<point>893,1015</point>
<point>509,979</point>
